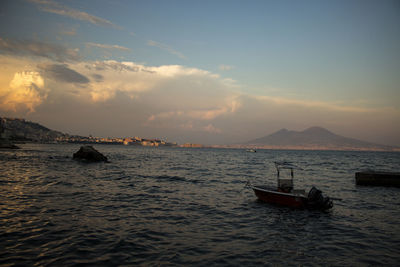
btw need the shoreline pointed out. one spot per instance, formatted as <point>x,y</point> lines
<point>286,148</point>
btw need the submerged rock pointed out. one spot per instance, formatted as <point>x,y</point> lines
<point>88,153</point>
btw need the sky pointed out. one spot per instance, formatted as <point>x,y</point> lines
<point>209,72</point>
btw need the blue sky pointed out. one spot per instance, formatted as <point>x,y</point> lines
<point>256,65</point>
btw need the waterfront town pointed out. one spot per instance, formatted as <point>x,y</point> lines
<point>108,140</point>
<point>20,131</point>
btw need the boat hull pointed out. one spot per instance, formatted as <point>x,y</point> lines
<point>280,198</point>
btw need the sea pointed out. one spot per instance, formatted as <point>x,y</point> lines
<point>191,207</point>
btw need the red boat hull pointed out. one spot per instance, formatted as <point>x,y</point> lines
<point>280,198</point>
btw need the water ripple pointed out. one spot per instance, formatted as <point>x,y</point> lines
<point>188,207</point>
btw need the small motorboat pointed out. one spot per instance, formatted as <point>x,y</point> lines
<point>286,195</point>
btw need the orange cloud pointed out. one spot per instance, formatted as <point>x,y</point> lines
<point>170,98</point>
<point>26,90</point>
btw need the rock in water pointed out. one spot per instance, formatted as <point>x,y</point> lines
<point>90,154</point>
<point>374,178</point>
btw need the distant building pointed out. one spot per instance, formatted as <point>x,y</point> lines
<point>128,141</point>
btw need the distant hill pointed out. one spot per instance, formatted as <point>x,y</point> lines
<point>15,130</point>
<point>313,138</point>
<point>22,130</point>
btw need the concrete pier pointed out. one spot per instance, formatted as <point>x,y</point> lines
<point>373,178</point>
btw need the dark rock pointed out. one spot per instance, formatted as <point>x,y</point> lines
<point>88,153</point>
<point>373,178</point>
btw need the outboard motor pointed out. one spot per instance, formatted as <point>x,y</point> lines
<point>317,201</point>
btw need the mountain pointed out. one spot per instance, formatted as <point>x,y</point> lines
<point>313,138</point>
<point>22,130</point>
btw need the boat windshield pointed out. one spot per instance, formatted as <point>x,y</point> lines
<point>285,184</point>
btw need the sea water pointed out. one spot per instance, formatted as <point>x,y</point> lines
<point>186,206</point>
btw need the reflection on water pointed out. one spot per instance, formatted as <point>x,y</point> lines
<point>187,206</point>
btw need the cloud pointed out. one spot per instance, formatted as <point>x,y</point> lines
<point>225,67</point>
<point>226,106</point>
<point>112,65</point>
<point>211,129</point>
<point>56,8</point>
<point>312,104</point>
<point>133,79</point>
<point>106,46</point>
<point>112,77</point>
<point>112,98</point>
<point>178,70</point>
<point>97,77</point>
<point>69,32</point>
<point>36,48</point>
<point>26,91</point>
<point>61,72</point>
<point>190,114</point>
<point>166,48</point>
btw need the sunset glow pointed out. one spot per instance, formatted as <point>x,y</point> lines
<point>206,72</point>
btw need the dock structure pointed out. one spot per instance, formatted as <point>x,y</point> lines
<point>378,178</point>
